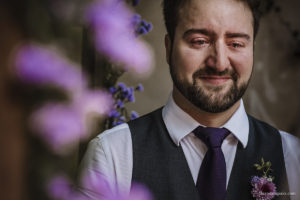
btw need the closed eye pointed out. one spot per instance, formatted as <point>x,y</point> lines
<point>198,42</point>
<point>236,45</point>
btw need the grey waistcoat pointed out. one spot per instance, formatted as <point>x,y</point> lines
<point>160,165</point>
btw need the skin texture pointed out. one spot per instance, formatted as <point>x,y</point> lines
<point>212,56</point>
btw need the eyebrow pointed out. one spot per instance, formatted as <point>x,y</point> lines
<point>199,31</point>
<point>211,33</point>
<point>238,35</point>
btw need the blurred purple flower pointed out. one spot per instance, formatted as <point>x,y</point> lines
<point>104,191</point>
<point>113,90</point>
<point>122,96</point>
<point>131,90</point>
<point>117,122</point>
<point>131,98</point>
<point>141,26</point>
<point>38,65</point>
<point>139,87</point>
<point>59,125</point>
<point>120,104</point>
<point>122,86</point>
<point>135,20</point>
<point>59,188</point>
<point>114,37</point>
<point>98,185</point>
<point>62,126</point>
<point>114,114</point>
<point>139,192</point>
<point>263,188</point>
<point>122,118</point>
<point>93,102</point>
<point>130,94</point>
<point>127,93</point>
<point>141,30</point>
<point>134,115</point>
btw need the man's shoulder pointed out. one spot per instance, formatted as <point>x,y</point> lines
<point>147,117</point>
<point>122,132</point>
<point>261,123</point>
<point>117,135</point>
<point>144,125</point>
<point>267,128</point>
<point>287,138</point>
<point>290,142</point>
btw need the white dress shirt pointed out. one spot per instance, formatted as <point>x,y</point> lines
<point>110,153</point>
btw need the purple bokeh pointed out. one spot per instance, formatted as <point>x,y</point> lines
<point>39,65</point>
<point>140,87</point>
<point>97,187</point>
<point>119,104</point>
<point>105,191</point>
<point>122,86</point>
<point>114,36</point>
<point>113,90</point>
<point>59,188</point>
<point>134,115</point>
<point>62,126</point>
<point>141,27</point>
<point>114,114</point>
<point>93,102</point>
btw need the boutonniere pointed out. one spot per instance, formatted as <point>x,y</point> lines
<point>263,186</point>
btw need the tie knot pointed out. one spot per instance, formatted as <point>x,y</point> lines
<point>212,137</point>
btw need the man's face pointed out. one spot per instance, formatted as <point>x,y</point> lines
<point>211,57</point>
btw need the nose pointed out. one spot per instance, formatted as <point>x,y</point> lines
<point>218,57</point>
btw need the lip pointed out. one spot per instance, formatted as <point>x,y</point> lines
<point>215,80</point>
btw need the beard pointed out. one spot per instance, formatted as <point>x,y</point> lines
<point>210,99</point>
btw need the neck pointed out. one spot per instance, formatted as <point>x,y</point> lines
<point>205,118</point>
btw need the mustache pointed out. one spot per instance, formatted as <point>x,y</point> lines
<point>213,72</point>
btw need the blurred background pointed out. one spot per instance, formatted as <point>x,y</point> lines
<point>273,95</point>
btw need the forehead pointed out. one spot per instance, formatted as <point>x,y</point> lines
<point>218,15</point>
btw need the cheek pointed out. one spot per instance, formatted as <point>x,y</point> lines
<point>186,60</point>
<point>243,64</point>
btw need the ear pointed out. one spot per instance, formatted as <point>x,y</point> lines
<point>168,47</point>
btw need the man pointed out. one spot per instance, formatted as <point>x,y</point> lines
<point>202,144</point>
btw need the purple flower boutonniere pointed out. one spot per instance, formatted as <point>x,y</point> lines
<point>263,187</point>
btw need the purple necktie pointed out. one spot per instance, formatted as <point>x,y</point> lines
<point>211,182</point>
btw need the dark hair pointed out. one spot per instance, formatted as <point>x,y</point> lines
<point>171,14</point>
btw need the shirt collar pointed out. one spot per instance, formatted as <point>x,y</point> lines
<point>180,124</point>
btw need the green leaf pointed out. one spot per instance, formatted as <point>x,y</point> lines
<point>256,165</point>
<point>262,161</point>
